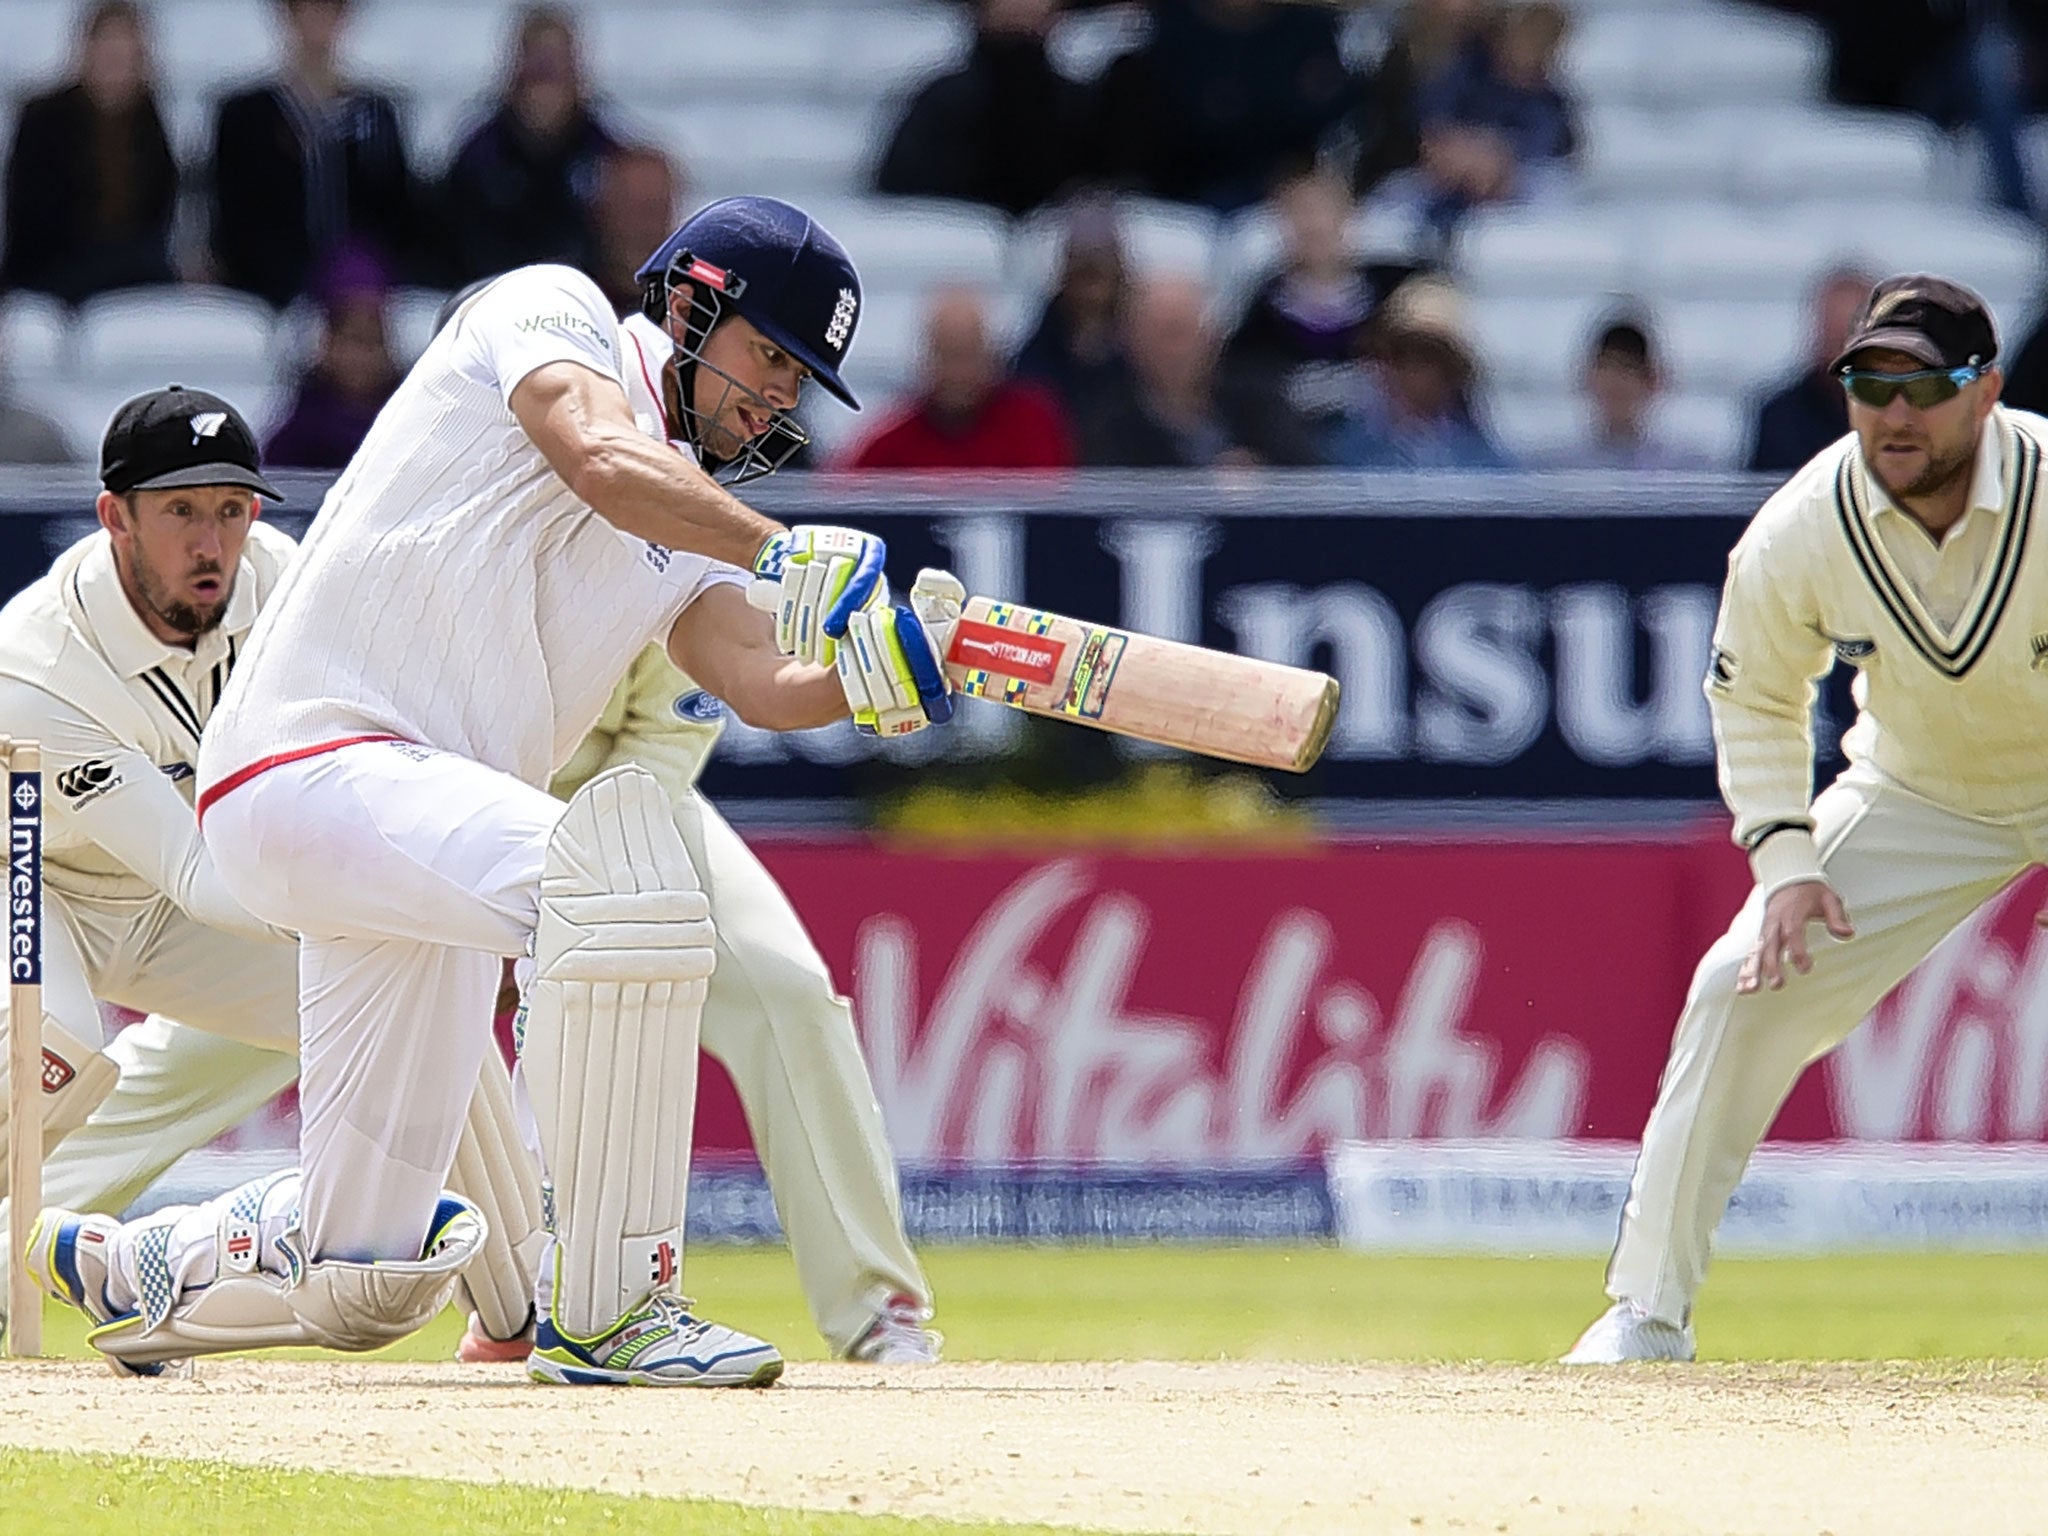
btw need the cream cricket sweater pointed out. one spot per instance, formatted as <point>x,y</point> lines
<point>1949,639</point>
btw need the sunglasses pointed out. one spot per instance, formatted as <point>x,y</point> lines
<point>1928,387</point>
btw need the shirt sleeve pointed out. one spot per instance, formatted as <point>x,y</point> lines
<point>103,791</point>
<point>541,315</point>
<point>1769,653</point>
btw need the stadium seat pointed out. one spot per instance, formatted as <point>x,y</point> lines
<point>430,47</point>
<point>203,47</point>
<point>37,40</point>
<point>914,242</point>
<point>1540,252</point>
<point>1706,250</point>
<point>1707,53</point>
<point>1159,238</point>
<point>35,340</point>
<point>1790,154</point>
<point>1632,154</point>
<point>174,334</point>
<point>1538,344</point>
<point>1729,344</point>
<point>1998,254</point>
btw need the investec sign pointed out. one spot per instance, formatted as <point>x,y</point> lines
<point>24,878</point>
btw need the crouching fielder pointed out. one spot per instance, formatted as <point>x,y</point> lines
<point>511,534</point>
<point>1915,550</point>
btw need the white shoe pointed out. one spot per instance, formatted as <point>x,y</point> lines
<point>898,1336</point>
<point>658,1344</point>
<point>1624,1333</point>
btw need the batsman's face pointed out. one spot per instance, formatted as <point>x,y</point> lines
<point>742,380</point>
<point>1915,452</point>
<point>177,553</point>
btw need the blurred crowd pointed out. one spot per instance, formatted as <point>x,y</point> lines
<point>1391,113</point>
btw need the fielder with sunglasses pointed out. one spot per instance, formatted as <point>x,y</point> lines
<point>1914,550</point>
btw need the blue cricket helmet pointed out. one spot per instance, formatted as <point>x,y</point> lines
<point>770,262</point>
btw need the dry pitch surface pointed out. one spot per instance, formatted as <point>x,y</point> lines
<point>1223,1448</point>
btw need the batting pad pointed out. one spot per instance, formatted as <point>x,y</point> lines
<point>495,1173</point>
<point>76,1080</point>
<point>622,956</point>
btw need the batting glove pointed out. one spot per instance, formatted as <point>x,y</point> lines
<point>821,577</point>
<point>891,663</point>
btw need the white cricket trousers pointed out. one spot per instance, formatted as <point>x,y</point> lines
<point>1908,872</point>
<point>408,873</point>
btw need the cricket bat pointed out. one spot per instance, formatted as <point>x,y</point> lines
<point>1185,696</point>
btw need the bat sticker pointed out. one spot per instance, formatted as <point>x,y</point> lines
<point>1088,690</point>
<point>1027,654</point>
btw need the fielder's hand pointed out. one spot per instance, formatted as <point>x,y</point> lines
<point>891,662</point>
<point>1783,937</point>
<point>820,577</point>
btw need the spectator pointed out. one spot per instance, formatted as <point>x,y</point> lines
<point>523,187</point>
<point>1493,126</point>
<point>1810,412</point>
<point>1300,352</point>
<point>307,165</point>
<point>1621,383</point>
<point>352,375</point>
<point>2026,380</point>
<point>91,185</point>
<point>27,436</point>
<point>1428,38</point>
<point>1077,348</point>
<point>1416,409</point>
<point>969,416</point>
<point>1005,128</point>
<point>1167,417</point>
<point>1228,97</point>
<point>639,201</point>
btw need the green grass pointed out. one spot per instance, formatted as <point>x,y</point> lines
<point>137,1496</point>
<point>1169,1303</point>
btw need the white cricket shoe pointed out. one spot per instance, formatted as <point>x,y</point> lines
<point>1625,1333</point>
<point>69,1257</point>
<point>898,1336</point>
<point>658,1344</point>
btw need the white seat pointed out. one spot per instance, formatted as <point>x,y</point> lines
<point>175,335</point>
<point>83,407</point>
<point>1712,424</point>
<point>37,40</point>
<point>778,148</point>
<point>1998,254</point>
<point>429,46</point>
<point>35,339</point>
<point>915,243</point>
<point>1705,53</point>
<point>1723,250</point>
<point>1160,239</point>
<point>1792,155</point>
<point>1730,345</point>
<point>1540,253</point>
<point>1531,425</point>
<point>1536,344</point>
<point>1635,154</point>
<point>205,46</point>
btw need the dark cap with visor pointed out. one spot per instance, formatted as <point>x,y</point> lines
<point>1935,322</point>
<point>173,438</point>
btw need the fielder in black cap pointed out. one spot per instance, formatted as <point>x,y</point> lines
<point>181,486</point>
<point>1921,373</point>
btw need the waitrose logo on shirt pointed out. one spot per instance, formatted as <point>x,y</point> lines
<point>566,320</point>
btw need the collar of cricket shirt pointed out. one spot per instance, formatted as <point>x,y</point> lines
<point>2003,481</point>
<point>126,641</point>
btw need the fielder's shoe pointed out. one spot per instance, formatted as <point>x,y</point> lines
<point>898,1336</point>
<point>659,1344</point>
<point>1624,1333</point>
<point>479,1348</point>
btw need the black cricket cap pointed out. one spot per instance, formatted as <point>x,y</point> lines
<point>1930,319</point>
<point>176,437</point>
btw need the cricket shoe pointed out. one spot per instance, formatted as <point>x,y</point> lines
<point>660,1344</point>
<point>479,1348</point>
<point>69,1257</point>
<point>898,1336</point>
<point>1624,1333</point>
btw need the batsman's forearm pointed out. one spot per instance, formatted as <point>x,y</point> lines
<point>649,490</point>
<point>799,697</point>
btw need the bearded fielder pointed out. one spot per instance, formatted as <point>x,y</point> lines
<point>513,531</point>
<point>1914,549</point>
<point>114,660</point>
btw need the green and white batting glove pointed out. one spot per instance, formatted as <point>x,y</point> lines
<point>891,663</point>
<point>820,577</point>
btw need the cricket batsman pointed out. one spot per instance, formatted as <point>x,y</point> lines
<point>114,661</point>
<point>529,511</point>
<point>1915,550</point>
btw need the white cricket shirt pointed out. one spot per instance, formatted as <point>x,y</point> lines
<point>1949,638</point>
<point>453,591</point>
